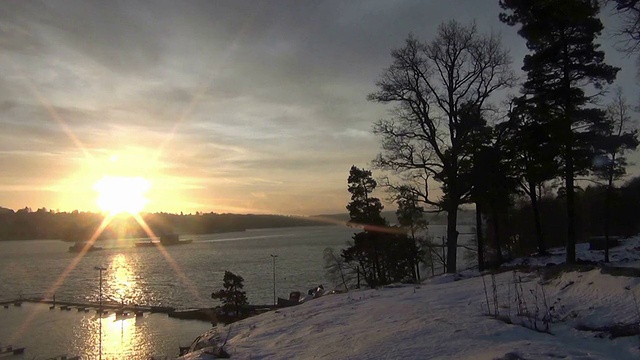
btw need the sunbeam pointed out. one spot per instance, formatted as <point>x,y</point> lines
<point>168,257</point>
<point>49,293</point>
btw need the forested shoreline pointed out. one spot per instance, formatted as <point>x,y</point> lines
<point>44,224</point>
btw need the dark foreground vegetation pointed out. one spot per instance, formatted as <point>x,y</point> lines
<point>26,224</point>
<point>524,161</point>
<point>592,217</point>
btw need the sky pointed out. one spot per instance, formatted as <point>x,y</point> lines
<point>223,106</point>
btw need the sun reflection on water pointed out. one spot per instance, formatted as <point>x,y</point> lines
<point>119,337</point>
<point>122,282</point>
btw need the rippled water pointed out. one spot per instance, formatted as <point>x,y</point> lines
<point>47,333</point>
<point>179,276</point>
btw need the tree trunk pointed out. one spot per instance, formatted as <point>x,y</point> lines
<point>607,210</point>
<point>432,258</point>
<point>496,234</point>
<point>452,238</point>
<point>542,250</point>
<point>377,269</point>
<point>571,210</point>
<point>344,281</point>
<point>444,254</point>
<point>568,156</point>
<point>479,238</point>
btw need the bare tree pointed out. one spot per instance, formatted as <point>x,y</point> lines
<point>431,85</point>
<point>629,26</point>
<point>337,270</point>
<point>620,136</point>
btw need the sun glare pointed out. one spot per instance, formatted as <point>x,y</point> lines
<point>122,194</point>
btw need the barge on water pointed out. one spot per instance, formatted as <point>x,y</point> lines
<point>165,240</point>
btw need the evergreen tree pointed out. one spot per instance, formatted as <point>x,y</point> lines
<point>383,254</point>
<point>493,184</point>
<point>475,172</point>
<point>563,63</point>
<point>365,211</point>
<point>232,296</point>
<point>532,153</point>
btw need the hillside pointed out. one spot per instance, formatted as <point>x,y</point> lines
<point>447,317</point>
<point>78,226</point>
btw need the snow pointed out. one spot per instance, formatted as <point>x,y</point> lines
<point>446,317</point>
<point>627,254</point>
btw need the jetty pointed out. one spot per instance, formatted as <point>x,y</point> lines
<point>122,311</point>
<point>118,308</point>
<point>9,349</point>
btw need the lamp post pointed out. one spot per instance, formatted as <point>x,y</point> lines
<point>100,269</point>
<point>273,257</point>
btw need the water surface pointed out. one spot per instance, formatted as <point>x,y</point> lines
<point>178,276</point>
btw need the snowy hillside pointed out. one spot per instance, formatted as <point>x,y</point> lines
<point>450,319</point>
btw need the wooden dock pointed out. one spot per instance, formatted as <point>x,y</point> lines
<point>128,311</point>
<point>9,349</point>
<point>86,306</point>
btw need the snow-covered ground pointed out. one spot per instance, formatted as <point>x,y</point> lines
<point>443,318</point>
<point>627,254</point>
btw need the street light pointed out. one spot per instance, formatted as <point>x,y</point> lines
<point>100,269</point>
<point>274,278</point>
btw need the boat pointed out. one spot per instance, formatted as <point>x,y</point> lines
<point>80,246</point>
<point>165,240</point>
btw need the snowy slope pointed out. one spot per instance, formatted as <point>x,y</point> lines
<point>447,319</point>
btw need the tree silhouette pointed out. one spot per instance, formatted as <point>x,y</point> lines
<point>411,218</point>
<point>429,84</point>
<point>629,28</point>
<point>383,254</point>
<point>365,211</point>
<point>564,61</point>
<point>532,154</point>
<point>232,296</point>
<point>618,137</point>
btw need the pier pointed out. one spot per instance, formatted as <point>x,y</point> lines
<point>9,349</point>
<point>126,311</point>
<point>138,310</point>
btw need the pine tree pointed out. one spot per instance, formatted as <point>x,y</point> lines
<point>563,63</point>
<point>532,154</point>
<point>383,254</point>
<point>365,211</point>
<point>232,296</point>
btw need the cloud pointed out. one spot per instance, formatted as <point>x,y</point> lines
<point>217,98</point>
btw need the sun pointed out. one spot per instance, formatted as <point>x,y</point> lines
<point>122,194</point>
